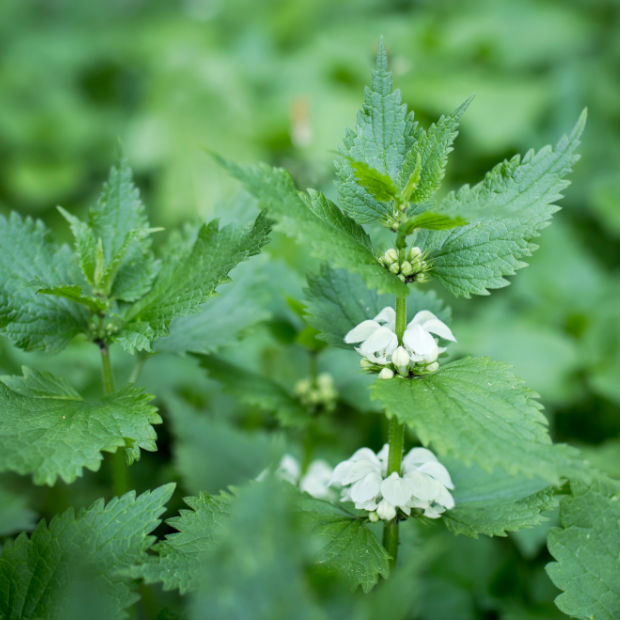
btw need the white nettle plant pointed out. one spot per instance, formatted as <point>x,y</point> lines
<point>419,350</point>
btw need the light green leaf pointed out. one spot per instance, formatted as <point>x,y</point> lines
<point>587,553</point>
<point>380,139</point>
<point>74,293</point>
<point>255,390</point>
<point>433,221</point>
<point>48,430</point>
<point>477,411</point>
<point>317,223</point>
<point>380,186</point>
<point>495,503</point>
<point>349,549</point>
<point>431,149</point>
<point>28,263</point>
<point>337,301</point>
<point>506,211</point>
<point>189,279</point>
<point>45,575</point>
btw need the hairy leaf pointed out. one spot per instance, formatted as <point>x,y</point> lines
<point>433,221</point>
<point>380,186</point>
<point>47,574</point>
<point>48,430</point>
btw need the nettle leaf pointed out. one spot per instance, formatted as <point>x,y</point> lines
<point>506,211</point>
<point>349,548</point>
<point>77,564</point>
<point>189,278</point>
<point>317,222</point>
<point>74,293</point>
<point>381,139</point>
<point>28,263</point>
<point>587,553</point>
<point>380,186</point>
<point>433,221</point>
<point>337,301</point>
<point>425,166</point>
<point>255,390</point>
<point>477,411</point>
<point>48,430</point>
<point>494,503</point>
<point>114,246</point>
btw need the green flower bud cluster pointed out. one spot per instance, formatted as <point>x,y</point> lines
<point>102,327</point>
<point>318,395</point>
<point>412,267</point>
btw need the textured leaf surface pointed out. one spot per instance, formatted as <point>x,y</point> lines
<point>189,279</point>
<point>318,223</point>
<point>256,390</point>
<point>337,301</point>
<point>477,411</point>
<point>29,262</point>
<point>434,221</point>
<point>349,549</point>
<point>48,430</point>
<point>587,553</point>
<point>494,503</point>
<point>42,576</point>
<point>506,211</point>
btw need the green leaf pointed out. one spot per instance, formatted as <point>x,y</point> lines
<point>48,430</point>
<point>477,411</point>
<point>316,222</point>
<point>114,246</point>
<point>433,221</point>
<point>74,293</point>
<point>189,278</point>
<point>256,390</point>
<point>506,211</point>
<point>28,263</point>
<point>380,139</point>
<point>587,551</point>
<point>46,575</point>
<point>337,301</point>
<point>349,549</point>
<point>380,186</point>
<point>431,149</point>
<point>495,503</point>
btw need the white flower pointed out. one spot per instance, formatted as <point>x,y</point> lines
<point>360,476</point>
<point>400,359</point>
<point>376,336</point>
<point>385,510</point>
<point>316,480</point>
<point>418,339</point>
<point>386,373</point>
<point>288,469</point>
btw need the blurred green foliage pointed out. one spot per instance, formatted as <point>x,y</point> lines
<point>279,81</point>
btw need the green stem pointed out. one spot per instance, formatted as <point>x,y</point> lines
<point>120,481</point>
<point>396,440</point>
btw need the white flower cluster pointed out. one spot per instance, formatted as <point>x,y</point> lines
<point>315,481</point>
<point>422,484</point>
<point>418,352</point>
<point>319,394</point>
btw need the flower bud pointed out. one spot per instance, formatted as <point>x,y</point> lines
<point>366,364</point>
<point>422,277</point>
<point>406,268</point>
<point>401,277</point>
<point>385,510</point>
<point>390,255</point>
<point>415,252</point>
<point>400,359</point>
<point>386,373</point>
<point>373,517</point>
<point>434,367</point>
<point>394,267</point>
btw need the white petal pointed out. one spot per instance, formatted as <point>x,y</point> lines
<point>371,504</point>
<point>316,480</point>
<point>385,510</point>
<point>423,487</point>
<point>288,469</point>
<point>382,339</point>
<point>420,342</point>
<point>366,489</point>
<point>387,315</point>
<point>382,455</point>
<point>361,332</point>
<point>437,471</point>
<point>445,499</point>
<point>417,456</point>
<point>422,317</point>
<point>435,326</point>
<point>396,490</point>
<point>386,373</point>
<point>365,454</point>
<point>400,359</point>
<point>349,472</point>
<point>434,512</point>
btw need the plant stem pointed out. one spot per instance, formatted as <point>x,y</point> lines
<point>396,439</point>
<point>120,482</point>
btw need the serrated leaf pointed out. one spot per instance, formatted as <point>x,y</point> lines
<point>380,186</point>
<point>381,139</point>
<point>349,549</point>
<point>337,301</point>
<point>48,430</point>
<point>256,390</point>
<point>587,553</point>
<point>433,221</point>
<point>29,262</point>
<point>74,293</point>
<point>46,574</point>
<point>431,148</point>
<point>189,279</point>
<point>495,503</point>
<point>114,246</point>
<point>477,411</point>
<point>506,211</point>
<point>316,222</point>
